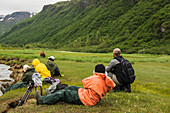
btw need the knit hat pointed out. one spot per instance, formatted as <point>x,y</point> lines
<point>100,68</point>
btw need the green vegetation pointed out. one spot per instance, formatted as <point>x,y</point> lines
<point>12,19</point>
<point>150,91</point>
<point>136,26</point>
<point>5,27</point>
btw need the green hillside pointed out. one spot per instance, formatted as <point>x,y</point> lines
<point>5,27</point>
<point>136,26</point>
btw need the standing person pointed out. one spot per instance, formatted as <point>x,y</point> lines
<point>26,79</point>
<point>95,87</point>
<point>41,68</point>
<point>52,67</point>
<point>115,71</point>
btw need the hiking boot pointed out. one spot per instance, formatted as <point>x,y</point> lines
<point>7,84</point>
<point>3,90</point>
<point>115,89</point>
<point>47,91</point>
<point>127,88</point>
<point>38,98</point>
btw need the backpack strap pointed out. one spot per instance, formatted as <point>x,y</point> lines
<point>119,58</point>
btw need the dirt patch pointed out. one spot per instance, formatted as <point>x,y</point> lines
<point>10,105</point>
<point>5,80</point>
<point>13,104</point>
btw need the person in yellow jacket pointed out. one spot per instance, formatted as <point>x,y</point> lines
<point>41,68</point>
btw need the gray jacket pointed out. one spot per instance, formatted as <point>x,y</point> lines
<point>111,65</point>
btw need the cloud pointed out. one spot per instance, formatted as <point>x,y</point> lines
<point>10,6</point>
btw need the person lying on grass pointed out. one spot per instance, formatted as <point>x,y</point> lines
<point>26,79</point>
<point>41,69</point>
<point>95,87</point>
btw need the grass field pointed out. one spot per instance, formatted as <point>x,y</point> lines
<point>150,91</point>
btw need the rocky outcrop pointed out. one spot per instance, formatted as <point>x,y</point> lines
<point>16,16</point>
<point>165,26</point>
<point>6,22</point>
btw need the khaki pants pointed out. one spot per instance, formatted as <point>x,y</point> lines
<point>113,77</point>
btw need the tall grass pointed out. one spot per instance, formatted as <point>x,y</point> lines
<point>82,57</point>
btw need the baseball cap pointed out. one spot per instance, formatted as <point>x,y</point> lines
<point>51,57</point>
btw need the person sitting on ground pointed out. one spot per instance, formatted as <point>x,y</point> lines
<point>114,71</point>
<point>41,68</point>
<point>26,79</point>
<point>52,67</point>
<point>95,87</point>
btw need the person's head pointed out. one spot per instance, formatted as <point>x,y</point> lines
<point>25,67</point>
<point>116,52</point>
<point>42,54</point>
<point>35,62</point>
<point>51,58</point>
<point>99,68</point>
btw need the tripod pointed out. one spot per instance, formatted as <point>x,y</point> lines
<point>27,93</point>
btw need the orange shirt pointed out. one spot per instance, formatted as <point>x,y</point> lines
<point>95,87</point>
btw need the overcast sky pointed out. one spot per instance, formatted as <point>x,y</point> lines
<point>10,6</point>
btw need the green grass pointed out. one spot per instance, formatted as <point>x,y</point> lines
<point>150,91</point>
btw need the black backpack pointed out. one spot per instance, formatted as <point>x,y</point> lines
<point>127,70</point>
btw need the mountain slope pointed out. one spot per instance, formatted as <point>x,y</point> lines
<point>6,22</point>
<point>97,26</point>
